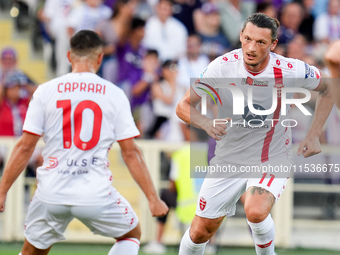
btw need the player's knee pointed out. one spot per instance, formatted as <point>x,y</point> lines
<point>200,235</point>
<point>255,214</point>
<point>134,233</point>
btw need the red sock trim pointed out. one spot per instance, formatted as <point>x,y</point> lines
<point>128,239</point>
<point>265,245</point>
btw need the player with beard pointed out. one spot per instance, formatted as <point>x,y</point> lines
<point>243,145</point>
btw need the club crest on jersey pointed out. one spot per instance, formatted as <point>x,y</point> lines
<point>253,82</point>
<point>279,87</point>
<point>203,203</point>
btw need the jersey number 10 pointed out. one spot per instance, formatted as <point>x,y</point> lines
<point>78,121</point>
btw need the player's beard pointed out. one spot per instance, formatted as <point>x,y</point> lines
<point>255,64</point>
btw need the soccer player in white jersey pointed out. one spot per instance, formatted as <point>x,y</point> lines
<point>80,115</point>
<point>332,59</point>
<point>255,66</point>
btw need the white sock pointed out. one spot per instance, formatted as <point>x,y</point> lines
<point>263,236</point>
<point>128,246</point>
<point>188,247</point>
<point>20,253</point>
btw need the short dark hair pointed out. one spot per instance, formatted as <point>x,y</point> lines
<point>263,21</point>
<point>151,52</point>
<point>137,23</point>
<point>169,62</point>
<point>85,41</point>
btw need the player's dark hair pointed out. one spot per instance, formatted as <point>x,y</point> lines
<point>263,21</point>
<point>137,23</point>
<point>85,41</point>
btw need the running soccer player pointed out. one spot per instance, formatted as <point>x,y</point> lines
<point>332,59</point>
<point>269,143</point>
<point>80,115</point>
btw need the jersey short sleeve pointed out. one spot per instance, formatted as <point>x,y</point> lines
<point>208,79</point>
<point>307,76</point>
<point>125,126</point>
<point>34,121</point>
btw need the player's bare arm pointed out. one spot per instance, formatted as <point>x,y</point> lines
<point>186,110</point>
<point>134,160</point>
<point>324,103</point>
<point>332,60</point>
<point>20,156</point>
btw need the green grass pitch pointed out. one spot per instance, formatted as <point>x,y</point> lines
<point>103,249</point>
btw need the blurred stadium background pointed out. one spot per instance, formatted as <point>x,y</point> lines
<point>307,216</point>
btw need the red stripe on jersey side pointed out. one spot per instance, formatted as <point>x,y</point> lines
<point>127,138</point>
<point>265,245</point>
<point>270,133</point>
<point>127,239</point>
<point>31,133</point>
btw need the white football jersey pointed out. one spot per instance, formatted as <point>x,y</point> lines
<point>254,138</point>
<point>79,115</point>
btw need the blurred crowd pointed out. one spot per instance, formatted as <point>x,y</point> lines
<point>153,47</point>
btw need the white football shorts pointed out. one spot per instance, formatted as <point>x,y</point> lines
<point>218,196</point>
<point>45,223</point>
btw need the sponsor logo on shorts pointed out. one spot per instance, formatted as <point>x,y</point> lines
<point>202,203</point>
<point>126,210</point>
<point>132,221</point>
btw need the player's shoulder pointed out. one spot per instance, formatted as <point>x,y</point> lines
<point>47,85</point>
<point>231,57</point>
<point>284,63</point>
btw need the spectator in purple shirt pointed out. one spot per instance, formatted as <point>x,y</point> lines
<point>130,55</point>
